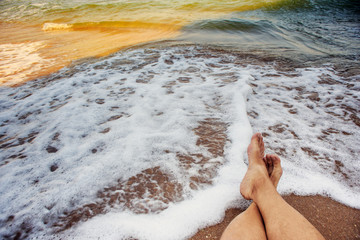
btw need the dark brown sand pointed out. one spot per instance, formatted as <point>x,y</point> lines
<point>334,220</point>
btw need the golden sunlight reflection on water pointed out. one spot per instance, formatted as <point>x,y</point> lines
<point>47,46</point>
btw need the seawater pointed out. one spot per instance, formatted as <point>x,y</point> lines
<point>150,141</point>
<point>71,30</point>
<point>65,31</point>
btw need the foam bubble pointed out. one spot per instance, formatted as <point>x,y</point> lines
<point>56,26</point>
<point>307,117</point>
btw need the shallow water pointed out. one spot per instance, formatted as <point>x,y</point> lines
<point>70,30</point>
<point>150,141</point>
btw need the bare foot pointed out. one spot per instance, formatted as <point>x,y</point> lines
<point>273,167</point>
<point>257,171</point>
<point>256,147</point>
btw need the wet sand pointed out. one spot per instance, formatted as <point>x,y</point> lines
<point>334,220</point>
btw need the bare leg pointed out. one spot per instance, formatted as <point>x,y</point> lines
<point>249,224</point>
<point>281,220</point>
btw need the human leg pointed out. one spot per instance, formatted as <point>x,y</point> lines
<point>249,224</point>
<point>281,220</point>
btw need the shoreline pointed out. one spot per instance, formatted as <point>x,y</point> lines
<point>333,219</point>
<point>299,96</point>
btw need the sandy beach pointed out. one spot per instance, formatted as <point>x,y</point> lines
<point>334,220</point>
<point>187,106</point>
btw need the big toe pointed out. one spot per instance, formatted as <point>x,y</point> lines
<point>277,165</point>
<point>276,161</point>
<point>257,138</point>
<point>256,145</point>
<point>277,170</point>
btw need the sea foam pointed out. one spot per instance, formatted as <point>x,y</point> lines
<point>132,128</point>
<point>56,26</point>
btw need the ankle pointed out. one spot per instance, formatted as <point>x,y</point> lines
<point>262,184</point>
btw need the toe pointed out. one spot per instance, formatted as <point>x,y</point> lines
<point>277,164</point>
<point>270,164</point>
<point>256,138</point>
<point>276,160</point>
<point>260,137</point>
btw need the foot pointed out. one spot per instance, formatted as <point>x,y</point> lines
<point>257,172</point>
<point>256,148</point>
<point>273,167</point>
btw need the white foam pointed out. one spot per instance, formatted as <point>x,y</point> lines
<point>152,112</point>
<point>56,26</point>
<point>308,122</point>
<point>178,219</point>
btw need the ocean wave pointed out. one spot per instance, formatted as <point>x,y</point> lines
<point>301,5</point>
<point>233,25</point>
<point>308,29</point>
<point>56,26</point>
<point>108,25</point>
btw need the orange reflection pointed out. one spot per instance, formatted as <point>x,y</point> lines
<point>31,51</point>
<point>38,53</point>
